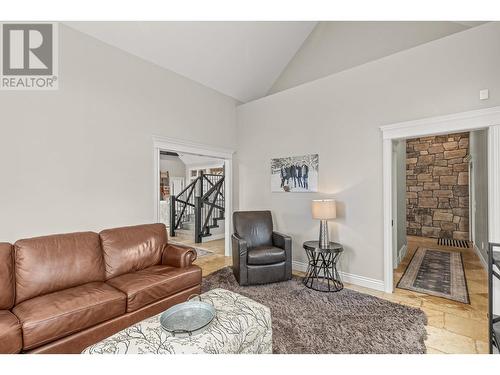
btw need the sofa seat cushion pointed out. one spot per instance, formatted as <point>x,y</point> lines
<point>55,315</point>
<point>155,283</point>
<point>10,333</point>
<point>266,255</point>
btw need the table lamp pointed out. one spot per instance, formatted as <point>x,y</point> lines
<point>324,209</point>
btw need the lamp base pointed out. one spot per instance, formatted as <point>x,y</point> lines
<point>324,241</point>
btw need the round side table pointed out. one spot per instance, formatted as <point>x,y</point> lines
<point>322,274</point>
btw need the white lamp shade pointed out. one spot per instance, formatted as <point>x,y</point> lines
<point>324,209</point>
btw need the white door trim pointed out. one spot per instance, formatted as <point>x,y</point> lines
<point>494,183</point>
<point>183,146</point>
<point>453,123</point>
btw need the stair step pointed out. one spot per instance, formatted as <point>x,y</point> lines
<point>213,226</point>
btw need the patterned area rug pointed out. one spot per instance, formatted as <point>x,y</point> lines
<point>307,321</point>
<point>202,252</point>
<point>199,251</point>
<point>436,272</point>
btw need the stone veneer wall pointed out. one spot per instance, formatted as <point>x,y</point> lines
<point>437,186</point>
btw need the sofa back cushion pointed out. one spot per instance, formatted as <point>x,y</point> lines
<point>131,249</point>
<point>6,276</point>
<point>51,263</point>
<point>255,227</point>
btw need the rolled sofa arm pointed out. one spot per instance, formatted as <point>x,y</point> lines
<point>178,256</point>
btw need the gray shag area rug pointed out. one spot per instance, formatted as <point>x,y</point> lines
<point>349,322</point>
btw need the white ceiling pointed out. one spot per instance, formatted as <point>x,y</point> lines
<point>238,59</point>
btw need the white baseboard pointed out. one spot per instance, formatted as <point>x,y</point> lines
<point>347,277</point>
<point>483,261</point>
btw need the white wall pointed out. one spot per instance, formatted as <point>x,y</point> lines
<point>172,164</point>
<point>400,172</point>
<point>339,118</point>
<point>334,46</point>
<point>92,139</point>
<point>479,189</point>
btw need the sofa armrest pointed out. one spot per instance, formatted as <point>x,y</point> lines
<point>178,256</point>
<point>282,241</point>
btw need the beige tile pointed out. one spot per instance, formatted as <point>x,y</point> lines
<point>434,351</point>
<point>435,318</point>
<point>477,330</point>
<point>413,301</point>
<point>449,342</point>
<point>444,307</point>
<point>482,347</point>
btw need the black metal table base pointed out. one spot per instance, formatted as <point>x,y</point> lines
<point>322,274</point>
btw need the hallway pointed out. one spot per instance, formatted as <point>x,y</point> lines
<point>453,327</point>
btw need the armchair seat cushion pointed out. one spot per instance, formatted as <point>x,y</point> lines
<point>155,283</point>
<point>261,255</point>
<point>51,316</point>
<point>10,333</point>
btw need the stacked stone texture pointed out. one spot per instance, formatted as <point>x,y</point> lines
<point>437,186</point>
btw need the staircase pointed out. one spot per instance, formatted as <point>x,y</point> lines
<point>199,207</point>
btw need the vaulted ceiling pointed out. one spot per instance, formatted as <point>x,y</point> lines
<point>247,60</point>
<point>238,59</point>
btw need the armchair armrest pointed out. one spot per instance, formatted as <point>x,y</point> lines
<point>239,247</point>
<point>178,256</point>
<point>282,241</point>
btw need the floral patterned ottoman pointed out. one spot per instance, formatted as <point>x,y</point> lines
<point>241,325</point>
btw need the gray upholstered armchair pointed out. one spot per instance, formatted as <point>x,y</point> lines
<point>260,255</point>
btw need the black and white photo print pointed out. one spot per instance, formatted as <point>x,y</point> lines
<point>295,174</point>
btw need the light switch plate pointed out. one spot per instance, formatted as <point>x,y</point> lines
<point>484,94</point>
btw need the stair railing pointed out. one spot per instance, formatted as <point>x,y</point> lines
<point>204,198</point>
<point>182,205</point>
<point>210,207</point>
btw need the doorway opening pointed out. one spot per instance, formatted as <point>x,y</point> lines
<point>440,209</point>
<point>192,204</point>
<point>193,195</point>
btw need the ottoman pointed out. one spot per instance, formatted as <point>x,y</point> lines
<point>241,325</point>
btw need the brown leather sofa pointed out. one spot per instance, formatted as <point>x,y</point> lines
<point>62,293</point>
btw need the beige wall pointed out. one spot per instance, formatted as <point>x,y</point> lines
<point>400,191</point>
<point>173,165</point>
<point>335,46</point>
<point>479,190</point>
<point>339,118</point>
<point>93,165</point>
